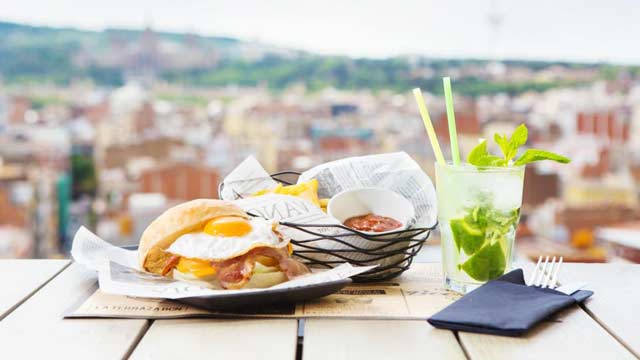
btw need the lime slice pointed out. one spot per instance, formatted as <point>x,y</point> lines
<point>488,263</point>
<point>466,236</point>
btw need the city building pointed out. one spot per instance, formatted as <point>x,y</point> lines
<point>180,181</point>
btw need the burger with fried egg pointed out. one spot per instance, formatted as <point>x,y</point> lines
<point>217,245</point>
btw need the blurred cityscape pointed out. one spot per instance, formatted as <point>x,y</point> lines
<point>107,129</point>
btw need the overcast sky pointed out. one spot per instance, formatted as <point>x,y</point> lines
<point>588,30</point>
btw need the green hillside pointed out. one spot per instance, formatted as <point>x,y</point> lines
<point>31,54</point>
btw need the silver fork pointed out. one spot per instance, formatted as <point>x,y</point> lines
<point>545,275</point>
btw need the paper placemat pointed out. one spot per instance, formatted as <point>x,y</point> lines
<point>416,294</point>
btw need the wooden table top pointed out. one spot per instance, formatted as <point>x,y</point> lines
<point>35,293</point>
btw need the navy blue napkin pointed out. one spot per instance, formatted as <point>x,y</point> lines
<point>504,306</point>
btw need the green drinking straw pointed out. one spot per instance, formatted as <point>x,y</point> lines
<point>451,117</point>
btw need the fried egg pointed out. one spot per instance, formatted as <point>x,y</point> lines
<point>227,237</point>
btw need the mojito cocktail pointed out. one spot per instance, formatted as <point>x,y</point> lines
<point>479,202</point>
<point>478,211</point>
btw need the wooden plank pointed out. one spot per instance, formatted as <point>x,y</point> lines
<point>36,329</point>
<point>377,339</point>
<point>572,335</point>
<point>615,301</point>
<point>19,279</point>
<point>219,339</point>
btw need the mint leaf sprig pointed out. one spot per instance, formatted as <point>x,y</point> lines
<point>532,155</point>
<point>480,156</point>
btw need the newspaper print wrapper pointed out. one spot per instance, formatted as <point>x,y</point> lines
<point>246,179</point>
<point>394,171</point>
<point>118,272</point>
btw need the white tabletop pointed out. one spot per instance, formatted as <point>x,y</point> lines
<point>36,293</point>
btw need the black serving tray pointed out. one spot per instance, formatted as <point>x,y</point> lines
<point>260,299</point>
<point>252,300</point>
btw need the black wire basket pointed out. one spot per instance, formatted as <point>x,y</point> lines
<point>393,252</point>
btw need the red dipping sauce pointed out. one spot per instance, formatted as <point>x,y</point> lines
<point>372,222</point>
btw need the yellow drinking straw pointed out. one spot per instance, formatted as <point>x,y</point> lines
<point>451,117</point>
<point>428,125</point>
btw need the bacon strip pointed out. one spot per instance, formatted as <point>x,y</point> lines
<point>291,267</point>
<point>235,273</point>
<point>171,263</point>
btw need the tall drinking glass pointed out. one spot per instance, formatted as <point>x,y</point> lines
<point>478,211</point>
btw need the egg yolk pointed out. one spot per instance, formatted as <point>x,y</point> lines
<point>228,226</point>
<point>198,268</point>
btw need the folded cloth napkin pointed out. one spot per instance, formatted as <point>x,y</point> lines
<point>504,306</point>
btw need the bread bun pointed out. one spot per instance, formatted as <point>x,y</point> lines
<point>176,221</point>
